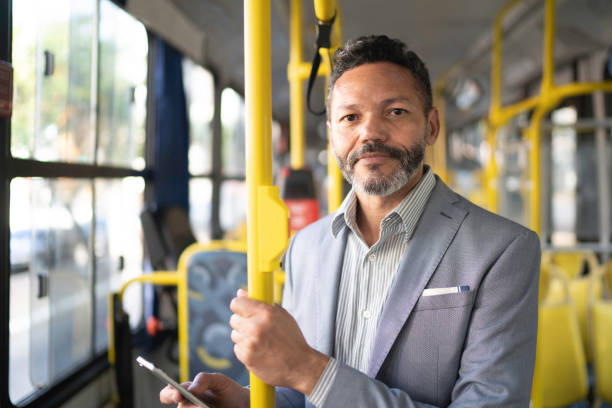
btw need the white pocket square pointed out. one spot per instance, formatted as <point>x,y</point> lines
<point>445,291</point>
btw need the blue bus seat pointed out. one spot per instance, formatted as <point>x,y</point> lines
<point>213,277</point>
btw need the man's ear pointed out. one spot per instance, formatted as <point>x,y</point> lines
<point>433,126</point>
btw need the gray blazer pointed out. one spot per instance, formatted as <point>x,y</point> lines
<point>470,349</point>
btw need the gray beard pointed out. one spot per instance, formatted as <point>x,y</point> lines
<point>378,184</point>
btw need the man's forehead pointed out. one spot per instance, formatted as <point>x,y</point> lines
<point>386,101</point>
<point>380,82</point>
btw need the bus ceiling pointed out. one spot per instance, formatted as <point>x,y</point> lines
<point>455,38</point>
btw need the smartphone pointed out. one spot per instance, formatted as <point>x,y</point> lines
<point>159,373</point>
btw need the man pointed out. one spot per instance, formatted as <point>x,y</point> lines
<point>408,295</point>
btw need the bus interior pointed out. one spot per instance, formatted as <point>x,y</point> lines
<point>125,170</point>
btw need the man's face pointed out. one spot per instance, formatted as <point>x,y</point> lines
<point>378,127</point>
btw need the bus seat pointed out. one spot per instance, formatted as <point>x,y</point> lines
<point>213,277</point>
<point>579,287</point>
<point>544,276</point>
<point>580,290</point>
<point>176,229</point>
<point>153,240</point>
<point>602,345</point>
<point>564,373</point>
<point>167,233</point>
<point>607,278</point>
<point>571,263</point>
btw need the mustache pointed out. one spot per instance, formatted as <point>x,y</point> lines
<point>376,147</point>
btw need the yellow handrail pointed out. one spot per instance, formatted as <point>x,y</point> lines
<point>549,97</point>
<point>157,278</point>
<point>267,216</point>
<point>178,278</point>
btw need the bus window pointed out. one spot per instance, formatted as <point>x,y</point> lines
<point>200,202</point>
<point>232,133</point>
<point>58,87</point>
<point>73,239</point>
<point>122,89</point>
<point>512,151</point>
<point>55,335</point>
<point>564,176</point>
<point>118,249</point>
<point>233,204</point>
<point>200,95</point>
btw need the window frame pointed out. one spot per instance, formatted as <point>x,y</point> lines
<point>64,389</point>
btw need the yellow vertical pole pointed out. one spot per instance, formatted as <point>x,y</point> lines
<point>265,208</point>
<point>490,171</point>
<point>334,175</point>
<point>534,131</point>
<point>334,179</point>
<point>296,119</point>
<point>183,324</point>
<point>438,150</point>
<point>533,136</point>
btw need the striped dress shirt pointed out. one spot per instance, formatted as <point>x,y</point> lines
<point>367,275</point>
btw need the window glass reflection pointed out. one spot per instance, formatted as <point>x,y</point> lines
<point>232,133</point>
<point>53,86</point>
<point>200,202</point>
<point>50,324</point>
<point>233,206</point>
<point>20,384</point>
<point>200,94</point>
<point>122,88</point>
<point>118,249</point>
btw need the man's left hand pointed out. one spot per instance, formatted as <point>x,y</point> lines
<point>270,344</point>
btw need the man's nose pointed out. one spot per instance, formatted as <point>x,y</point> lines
<point>372,129</point>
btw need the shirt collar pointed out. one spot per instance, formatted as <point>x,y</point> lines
<point>409,209</point>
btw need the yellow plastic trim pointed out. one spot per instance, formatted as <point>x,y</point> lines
<point>325,9</point>
<point>273,238</point>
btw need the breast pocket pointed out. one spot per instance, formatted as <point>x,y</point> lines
<point>446,301</point>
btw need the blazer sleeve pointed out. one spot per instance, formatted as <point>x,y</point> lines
<point>499,351</point>
<point>287,397</point>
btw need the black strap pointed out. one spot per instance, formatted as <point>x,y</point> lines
<point>324,29</point>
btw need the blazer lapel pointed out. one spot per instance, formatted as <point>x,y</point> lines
<point>327,283</point>
<point>434,233</point>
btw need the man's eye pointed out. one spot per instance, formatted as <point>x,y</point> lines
<point>350,117</point>
<point>398,111</point>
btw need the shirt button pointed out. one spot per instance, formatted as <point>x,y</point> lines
<point>372,257</point>
<point>367,314</point>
